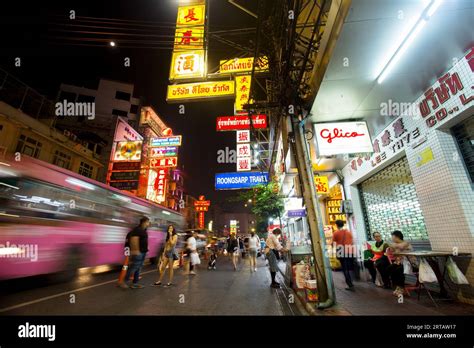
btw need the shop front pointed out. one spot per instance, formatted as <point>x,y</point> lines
<point>419,179</point>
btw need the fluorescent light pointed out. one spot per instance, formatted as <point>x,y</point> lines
<point>400,51</point>
<point>80,183</point>
<point>122,198</point>
<point>166,212</point>
<point>5,164</point>
<point>9,215</point>
<point>406,42</point>
<point>434,6</point>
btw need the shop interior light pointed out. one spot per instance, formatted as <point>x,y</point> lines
<point>409,38</point>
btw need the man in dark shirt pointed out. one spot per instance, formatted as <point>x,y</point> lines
<point>136,244</point>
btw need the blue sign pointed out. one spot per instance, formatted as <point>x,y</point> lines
<point>166,141</point>
<point>297,213</point>
<point>240,180</point>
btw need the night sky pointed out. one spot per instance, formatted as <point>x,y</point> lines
<point>29,30</point>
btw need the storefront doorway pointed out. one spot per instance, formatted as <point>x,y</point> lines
<point>390,203</point>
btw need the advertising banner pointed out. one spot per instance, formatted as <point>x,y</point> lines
<point>234,123</point>
<point>166,141</point>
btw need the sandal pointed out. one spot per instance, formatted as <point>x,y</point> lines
<point>156,283</point>
<point>169,284</point>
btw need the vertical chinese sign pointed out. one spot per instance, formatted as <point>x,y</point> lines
<point>201,206</point>
<point>188,60</point>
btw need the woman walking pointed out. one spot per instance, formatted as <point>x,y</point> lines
<point>254,242</point>
<point>233,248</point>
<point>169,255</point>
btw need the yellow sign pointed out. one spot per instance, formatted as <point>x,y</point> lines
<point>188,64</point>
<point>242,91</point>
<point>242,65</point>
<point>322,184</point>
<point>424,157</point>
<point>189,38</point>
<point>191,15</point>
<point>204,90</point>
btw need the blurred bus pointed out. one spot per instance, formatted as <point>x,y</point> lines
<point>55,221</point>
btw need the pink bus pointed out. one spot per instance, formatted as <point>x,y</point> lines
<point>55,221</point>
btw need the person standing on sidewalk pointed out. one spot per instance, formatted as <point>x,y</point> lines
<point>272,249</point>
<point>254,242</point>
<point>344,251</point>
<point>137,241</point>
<point>169,255</point>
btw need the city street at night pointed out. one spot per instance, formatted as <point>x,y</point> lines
<point>205,171</point>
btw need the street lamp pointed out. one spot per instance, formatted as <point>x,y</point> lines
<point>112,43</point>
<point>250,201</point>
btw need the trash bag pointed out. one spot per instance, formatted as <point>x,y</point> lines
<point>195,260</point>
<point>426,273</point>
<point>455,273</point>
<point>407,268</point>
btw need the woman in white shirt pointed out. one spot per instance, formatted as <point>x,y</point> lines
<point>254,242</point>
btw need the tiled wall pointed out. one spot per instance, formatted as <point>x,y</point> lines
<point>443,187</point>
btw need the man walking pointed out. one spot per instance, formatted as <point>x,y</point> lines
<point>344,251</point>
<point>137,242</point>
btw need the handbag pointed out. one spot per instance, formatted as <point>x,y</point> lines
<point>455,273</point>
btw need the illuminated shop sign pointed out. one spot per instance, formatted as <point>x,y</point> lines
<point>191,15</point>
<point>244,180</point>
<point>242,92</point>
<point>128,151</point>
<point>234,123</point>
<point>189,38</point>
<point>167,151</point>
<point>242,65</point>
<point>166,141</point>
<point>164,162</point>
<point>243,136</point>
<point>200,91</point>
<point>322,184</point>
<point>188,64</point>
<point>126,166</point>
<point>342,138</point>
<point>157,182</point>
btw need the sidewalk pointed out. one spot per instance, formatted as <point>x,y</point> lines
<point>369,299</point>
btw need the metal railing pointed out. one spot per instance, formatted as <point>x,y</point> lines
<point>21,96</point>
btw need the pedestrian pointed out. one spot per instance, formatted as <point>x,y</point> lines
<point>233,249</point>
<point>169,255</point>
<point>254,242</point>
<point>273,247</point>
<point>344,251</point>
<point>192,253</point>
<point>137,244</point>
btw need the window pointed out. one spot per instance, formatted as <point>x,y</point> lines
<point>134,109</point>
<point>85,98</point>
<point>86,169</point>
<point>119,113</point>
<point>464,134</point>
<point>122,95</point>
<point>69,96</point>
<point>28,146</point>
<point>62,160</point>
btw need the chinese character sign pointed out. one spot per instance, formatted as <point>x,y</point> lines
<point>191,15</point>
<point>322,184</point>
<point>187,64</point>
<point>189,38</point>
<point>244,163</point>
<point>243,136</point>
<point>164,162</point>
<point>242,92</point>
<point>157,180</point>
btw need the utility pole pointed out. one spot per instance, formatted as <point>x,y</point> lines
<point>324,281</point>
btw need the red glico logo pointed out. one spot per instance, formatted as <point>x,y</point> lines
<point>337,133</point>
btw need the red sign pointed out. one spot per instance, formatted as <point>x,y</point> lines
<point>234,123</point>
<point>201,208</point>
<point>164,162</point>
<point>202,203</point>
<point>201,220</point>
